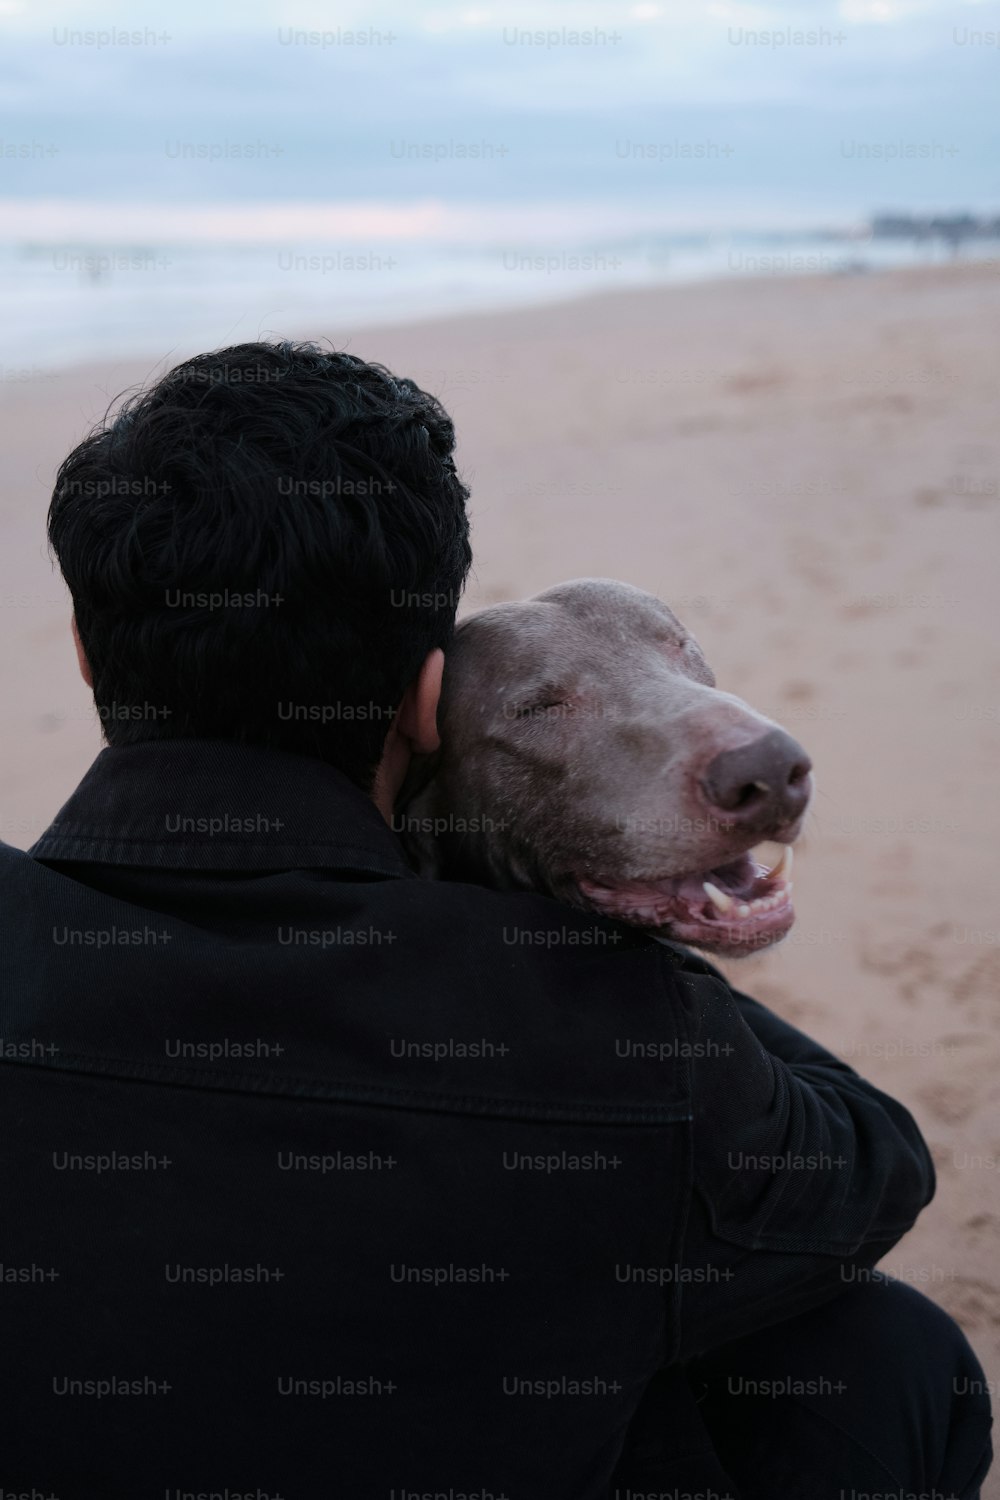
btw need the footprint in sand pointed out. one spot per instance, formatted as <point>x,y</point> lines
<point>981,1221</point>
<point>798,692</point>
<point>765,380</point>
<point>951,1103</point>
<point>810,559</point>
<point>971,1301</point>
<point>923,971</point>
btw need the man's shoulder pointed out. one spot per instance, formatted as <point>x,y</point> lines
<point>12,859</point>
<point>523,917</point>
<point>527,928</point>
<point>409,993</point>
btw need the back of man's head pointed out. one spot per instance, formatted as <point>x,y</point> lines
<point>264,546</point>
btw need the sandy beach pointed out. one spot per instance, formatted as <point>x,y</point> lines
<point>808,472</point>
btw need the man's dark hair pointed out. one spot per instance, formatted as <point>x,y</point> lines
<point>264,546</point>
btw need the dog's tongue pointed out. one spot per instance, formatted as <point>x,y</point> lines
<point>738,879</point>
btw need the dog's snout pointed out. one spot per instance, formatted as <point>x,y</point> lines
<point>763,784</point>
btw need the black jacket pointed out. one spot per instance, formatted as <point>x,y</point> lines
<point>320,1179</point>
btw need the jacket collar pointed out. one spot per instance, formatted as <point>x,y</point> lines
<point>219,805</point>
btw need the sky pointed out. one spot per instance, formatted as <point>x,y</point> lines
<point>676,114</point>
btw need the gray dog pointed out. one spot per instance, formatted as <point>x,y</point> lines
<point>587,753</point>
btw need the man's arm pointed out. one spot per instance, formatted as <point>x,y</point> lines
<point>804,1173</point>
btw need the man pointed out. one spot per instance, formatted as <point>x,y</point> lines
<point>318,1181</point>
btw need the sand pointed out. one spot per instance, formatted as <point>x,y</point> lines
<point>808,471</point>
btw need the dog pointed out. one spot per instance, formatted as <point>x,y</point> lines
<point>587,753</point>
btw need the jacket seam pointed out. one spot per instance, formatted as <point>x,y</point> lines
<point>798,1244</point>
<point>675,1296</point>
<point>84,835</point>
<point>416,1100</point>
<point>115,851</point>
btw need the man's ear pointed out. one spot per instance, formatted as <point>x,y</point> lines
<point>416,721</point>
<point>81,657</point>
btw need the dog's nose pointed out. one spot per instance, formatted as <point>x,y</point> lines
<point>763,784</point>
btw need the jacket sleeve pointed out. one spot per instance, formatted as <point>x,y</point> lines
<point>804,1174</point>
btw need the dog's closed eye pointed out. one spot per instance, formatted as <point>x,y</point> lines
<point>694,661</point>
<point>545,702</point>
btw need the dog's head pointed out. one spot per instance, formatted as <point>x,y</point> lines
<point>587,753</point>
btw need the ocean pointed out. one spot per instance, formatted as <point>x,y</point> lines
<point>68,298</point>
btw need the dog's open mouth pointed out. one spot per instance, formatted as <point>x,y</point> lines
<point>731,908</point>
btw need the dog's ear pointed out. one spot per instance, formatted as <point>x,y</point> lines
<point>411,820</point>
<point>420,772</point>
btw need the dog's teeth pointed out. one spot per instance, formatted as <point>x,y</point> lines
<point>718,898</point>
<point>743,911</point>
<point>784,865</point>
